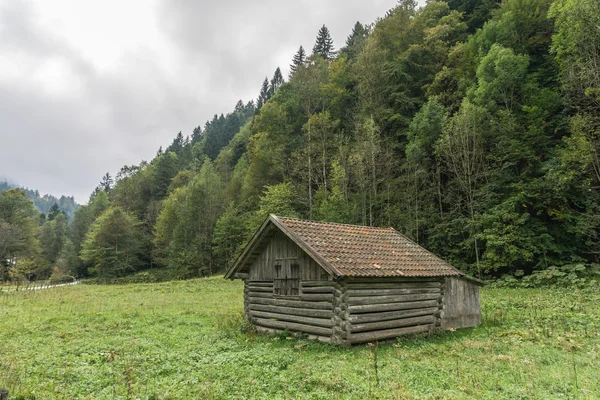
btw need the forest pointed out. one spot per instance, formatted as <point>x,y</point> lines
<point>46,204</point>
<point>473,127</point>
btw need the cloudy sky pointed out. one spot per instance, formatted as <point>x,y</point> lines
<point>87,86</point>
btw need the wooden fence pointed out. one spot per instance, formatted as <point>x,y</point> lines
<point>37,285</point>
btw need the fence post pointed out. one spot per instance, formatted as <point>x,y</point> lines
<point>3,394</point>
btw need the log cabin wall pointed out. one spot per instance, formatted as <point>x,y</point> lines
<point>271,308</point>
<point>380,309</point>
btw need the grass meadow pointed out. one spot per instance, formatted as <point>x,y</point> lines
<point>188,340</point>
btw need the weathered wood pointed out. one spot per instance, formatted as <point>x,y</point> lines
<point>317,289</point>
<point>460,305</point>
<point>387,334</point>
<point>392,285</point>
<point>315,330</point>
<point>394,323</point>
<point>3,394</point>
<point>317,283</point>
<point>305,312</point>
<point>356,301</point>
<point>324,322</point>
<point>267,295</point>
<point>316,297</point>
<point>389,292</point>
<point>260,284</point>
<point>261,289</point>
<point>261,329</point>
<point>292,303</point>
<point>388,279</point>
<point>386,316</point>
<point>241,275</point>
<point>370,308</point>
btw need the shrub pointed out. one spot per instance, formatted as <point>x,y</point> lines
<point>575,276</point>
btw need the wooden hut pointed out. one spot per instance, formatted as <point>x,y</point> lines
<point>349,284</point>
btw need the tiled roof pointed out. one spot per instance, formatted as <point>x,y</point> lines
<point>362,251</point>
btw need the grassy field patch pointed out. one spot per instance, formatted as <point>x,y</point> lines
<point>188,340</point>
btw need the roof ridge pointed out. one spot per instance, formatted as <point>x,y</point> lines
<point>334,223</point>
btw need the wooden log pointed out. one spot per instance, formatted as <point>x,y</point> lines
<point>291,326</point>
<point>386,316</point>
<point>317,283</point>
<point>324,322</point>
<point>261,289</point>
<point>260,284</point>
<point>292,303</point>
<point>267,295</point>
<point>356,301</point>
<point>387,334</point>
<point>394,323</point>
<point>317,289</point>
<point>241,275</point>
<point>260,329</point>
<point>390,292</point>
<point>305,312</point>
<point>370,308</point>
<point>316,297</point>
<point>392,285</point>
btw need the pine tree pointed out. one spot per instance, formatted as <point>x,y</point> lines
<point>355,40</point>
<point>276,82</point>
<point>239,107</point>
<point>196,136</point>
<point>298,60</point>
<point>54,211</point>
<point>264,94</point>
<point>106,183</point>
<point>324,44</point>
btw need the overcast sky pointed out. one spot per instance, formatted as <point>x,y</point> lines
<point>89,86</point>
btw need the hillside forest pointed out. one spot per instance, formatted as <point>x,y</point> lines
<point>473,127</point>
<point>46,204</point>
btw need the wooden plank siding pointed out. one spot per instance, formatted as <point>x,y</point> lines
<point>461,304</point>
<point>280,247</point>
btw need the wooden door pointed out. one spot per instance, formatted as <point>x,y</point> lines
<point>286,278</point>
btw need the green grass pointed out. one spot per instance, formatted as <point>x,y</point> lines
<point>187,340</point>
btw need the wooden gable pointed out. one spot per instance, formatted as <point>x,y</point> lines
<point>281,250</point>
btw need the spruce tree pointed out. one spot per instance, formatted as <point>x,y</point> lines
<point>106,183</point>
<point>54,211</point>
<point>324,44</point>
<point>239,107</point>
<point>264,93</point>
<point>177,144</point>
<point>276,82</point>
<point>355,40</point>
<point>298,60</point>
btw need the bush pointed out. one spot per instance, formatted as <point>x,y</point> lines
<point>574,276</point>
<point>149,276</point>
<point>232,325</point>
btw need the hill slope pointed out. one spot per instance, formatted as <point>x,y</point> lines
<point>43,203</point>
